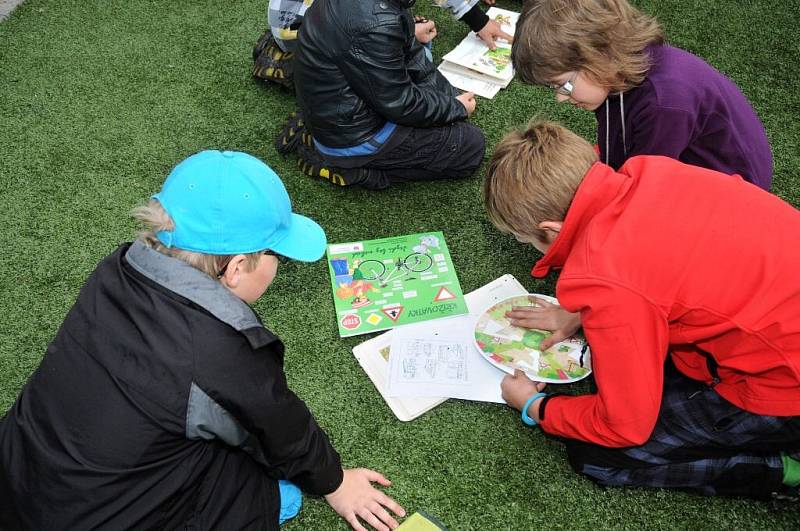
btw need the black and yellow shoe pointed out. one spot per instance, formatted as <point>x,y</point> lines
<point>311,163</point>
<point>335,176</point>
<point>270,63</point>
<point>292,132</point>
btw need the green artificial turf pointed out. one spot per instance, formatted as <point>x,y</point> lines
<point>100,98</point>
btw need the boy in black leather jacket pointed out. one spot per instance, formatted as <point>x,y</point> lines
<point>376,110</point>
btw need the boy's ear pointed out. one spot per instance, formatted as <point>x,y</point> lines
<point>233,273</point>
<point>551,226</point>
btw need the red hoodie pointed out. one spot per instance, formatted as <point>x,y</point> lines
<point>666,257</point>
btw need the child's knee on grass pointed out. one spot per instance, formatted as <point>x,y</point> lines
<point>471,149</point>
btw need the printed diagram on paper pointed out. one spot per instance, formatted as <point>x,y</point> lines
<point>408,401</point>
<point>433,361</point>
<point>510,347</point>
<point>439,359</point>
<point>381,284</point>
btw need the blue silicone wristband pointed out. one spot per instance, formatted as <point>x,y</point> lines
<point>524,413</point>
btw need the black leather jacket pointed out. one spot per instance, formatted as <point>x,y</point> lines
<point>358,65</point>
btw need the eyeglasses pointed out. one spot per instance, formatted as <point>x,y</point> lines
<point>566,88</point>
<point>282,259</point>
<point>267,252</point>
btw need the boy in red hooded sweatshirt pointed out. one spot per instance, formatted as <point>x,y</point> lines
<point>691,306</point>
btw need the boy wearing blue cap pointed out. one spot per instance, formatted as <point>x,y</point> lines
<point>162,401</point>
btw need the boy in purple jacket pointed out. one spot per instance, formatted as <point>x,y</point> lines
<point>607,57</point>
<point>649,98</point>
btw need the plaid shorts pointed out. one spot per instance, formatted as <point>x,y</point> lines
<point>701,443</point>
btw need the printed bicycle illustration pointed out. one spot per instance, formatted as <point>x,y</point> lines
<point>377,270</point>
<point>388,282</point>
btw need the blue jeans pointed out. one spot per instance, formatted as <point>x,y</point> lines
<point>428,50</point>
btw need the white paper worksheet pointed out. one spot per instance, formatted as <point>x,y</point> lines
<point>439,358</point>
<point>373,354</point>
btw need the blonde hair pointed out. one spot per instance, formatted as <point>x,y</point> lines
<point>156,219</point>
<point>533,176</point>
<point>605,39</point>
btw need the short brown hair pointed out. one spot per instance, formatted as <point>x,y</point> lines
<point>605,39</point>
<point>155,219</point>
<point>533,176</point>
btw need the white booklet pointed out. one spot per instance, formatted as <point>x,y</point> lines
<point>470,80</point>
<point>374,355</point>
<point>473,66</point>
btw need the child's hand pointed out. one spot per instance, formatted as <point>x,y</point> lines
<point>546,316</point>
<point>518,388</point>
<point>493,31</point>
<point>357,498</point>
<point>424,30</point>
<point>489,2</point>
<point>468,100</point>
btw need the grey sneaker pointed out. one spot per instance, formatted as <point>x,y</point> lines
<point>789,497</point>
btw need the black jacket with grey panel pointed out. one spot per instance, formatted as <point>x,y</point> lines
<point>161,404</point>
<point>358,65</point>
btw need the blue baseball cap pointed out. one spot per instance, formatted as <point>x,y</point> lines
<point>228,202</point>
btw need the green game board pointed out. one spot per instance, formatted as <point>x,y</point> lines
<point>380,284</point>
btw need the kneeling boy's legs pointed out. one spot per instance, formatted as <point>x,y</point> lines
<point>700,443</point>
<point>418,154</point>
<point>449,152</point>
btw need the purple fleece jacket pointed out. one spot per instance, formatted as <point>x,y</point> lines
<point>686,110</point>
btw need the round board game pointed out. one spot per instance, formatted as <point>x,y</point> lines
<point>510,347</point>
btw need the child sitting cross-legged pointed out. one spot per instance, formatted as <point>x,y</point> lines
<point>375,110</point>
<point>692,313</point>
<point>162,402</point>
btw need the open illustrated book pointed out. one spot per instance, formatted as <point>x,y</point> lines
<point>473,67</point>
<point>373,355</point>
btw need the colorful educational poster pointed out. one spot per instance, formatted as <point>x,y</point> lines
<point>510,347</point>
<point>381,284</point>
